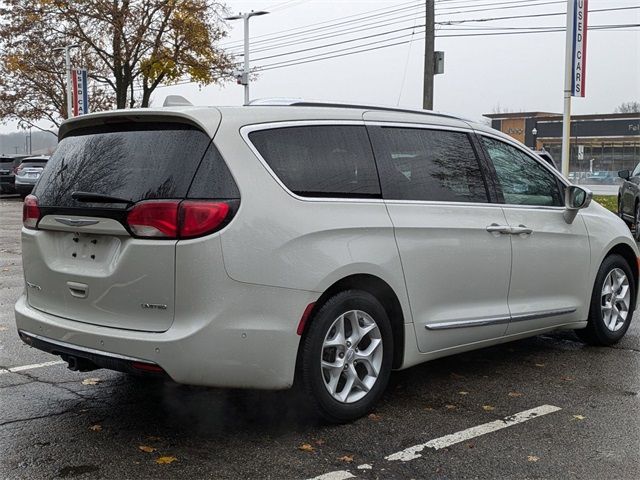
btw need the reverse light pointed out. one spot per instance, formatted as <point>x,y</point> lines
<point>175,219</point>
<point>30,212</point>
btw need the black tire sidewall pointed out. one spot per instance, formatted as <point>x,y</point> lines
<point>602,335</point>
<point>329,408</point>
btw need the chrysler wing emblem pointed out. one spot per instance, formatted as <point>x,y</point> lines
<point>76,222</point>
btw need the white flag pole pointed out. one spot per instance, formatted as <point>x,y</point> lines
<point>568,78</point>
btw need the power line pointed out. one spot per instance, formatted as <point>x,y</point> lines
<point>352,50</point>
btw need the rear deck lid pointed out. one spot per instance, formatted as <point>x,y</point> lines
<point>83,263</point>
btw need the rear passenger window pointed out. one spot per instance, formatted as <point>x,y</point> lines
<point>422,164</point>
<point>321,160</point>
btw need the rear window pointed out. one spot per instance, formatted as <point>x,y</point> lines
<point>130,161</point>
<point>321,160</point>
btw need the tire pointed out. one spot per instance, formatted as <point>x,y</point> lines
<point>324,345</point>
<point>601,328</point>
<point>636,223</point>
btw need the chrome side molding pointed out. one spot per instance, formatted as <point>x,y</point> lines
<point>481,322</point>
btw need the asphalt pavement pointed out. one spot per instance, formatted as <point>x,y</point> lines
<point>545,407</point>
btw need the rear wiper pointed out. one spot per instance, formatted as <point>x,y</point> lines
<point>99,198</point>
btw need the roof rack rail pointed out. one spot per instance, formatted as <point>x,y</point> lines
<point>374,107</point>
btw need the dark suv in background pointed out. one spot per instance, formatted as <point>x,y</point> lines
<point>629,199</point>
<point>8,164</point>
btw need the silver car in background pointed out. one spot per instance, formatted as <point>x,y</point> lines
<point>28,173</point>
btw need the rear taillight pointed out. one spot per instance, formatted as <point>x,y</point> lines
<point>30,212</point>
<point>175,219</point>
<point>199,218</point>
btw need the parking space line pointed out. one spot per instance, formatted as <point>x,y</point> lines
<point>337,475</point>
<point>22,368</point>
<point>411,453</point>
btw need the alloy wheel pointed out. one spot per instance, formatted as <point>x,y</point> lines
<point>351,357</point>
<point>615,299</point>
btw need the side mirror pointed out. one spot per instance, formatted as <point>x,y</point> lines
<point>624,174</point>
<point>575,198</point>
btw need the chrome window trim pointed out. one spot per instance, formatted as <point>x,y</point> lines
<point>481,322</point>
<point>84,349</point>
<point>423,126</point>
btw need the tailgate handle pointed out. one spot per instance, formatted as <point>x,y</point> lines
<point>78,290</point>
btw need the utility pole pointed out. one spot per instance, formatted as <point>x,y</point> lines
<point>429,55</point>
<point>67,63</point>
<point>243,79</point>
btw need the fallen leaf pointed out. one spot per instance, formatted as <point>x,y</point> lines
<point>579,417</point>
<point>567,379</point>
<point>306,447</point>
<point>3,328</point>
<point>429,409</point>
<point>471,445</point>
<point>532,458</point>
<point>488,408</point>
<point>450,407</point>
<point>91,381</point>
<point>515,394</point>
<point>539,365</point>
<point>463,393</point>
<point>346,458</point>
<point>374,417</point>
<point>456,375</point>
<point>165,460</point>
<point>146,449</point>
<point>96,428</point>
<point>154,439</point>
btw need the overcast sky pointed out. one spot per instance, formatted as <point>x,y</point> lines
<point>516,72</point>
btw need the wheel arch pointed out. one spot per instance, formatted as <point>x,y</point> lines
<point>379,289</point>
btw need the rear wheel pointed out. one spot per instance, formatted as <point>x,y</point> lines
<point>347,355</point>
<point>612,303</point>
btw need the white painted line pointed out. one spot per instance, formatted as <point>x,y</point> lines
<point>364,466</point>
<point>30,367</point>
<point>411,453</point>
<point>337,475</point>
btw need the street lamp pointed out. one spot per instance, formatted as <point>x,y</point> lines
<point>245,73</point>
<point>67,62</point>
<point>534,132</point>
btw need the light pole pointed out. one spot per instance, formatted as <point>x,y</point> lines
<point>245,72</point>
<point>534,132</point>
<point>67,63</point>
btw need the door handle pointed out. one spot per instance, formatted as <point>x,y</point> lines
<point>521,230</point>
<point>495,228</point>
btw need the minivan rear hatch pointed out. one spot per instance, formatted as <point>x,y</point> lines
<point>83,262</point>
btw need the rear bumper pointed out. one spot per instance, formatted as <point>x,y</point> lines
<point>239,347</point>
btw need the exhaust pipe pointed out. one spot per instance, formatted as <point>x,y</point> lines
<point>76,364</point>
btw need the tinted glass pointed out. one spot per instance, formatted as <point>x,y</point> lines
<point>213,179</point>
<point>636,171</point>
<point>130,161</point>
<point>421,164</point>
<point>325,161</point>
<point>523,180</point>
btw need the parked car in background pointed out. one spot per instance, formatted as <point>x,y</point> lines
<point>629,199</point>
<point>8,164</point>
<point>28,173</point>
<point>602,177</point>
<point>320,245</point>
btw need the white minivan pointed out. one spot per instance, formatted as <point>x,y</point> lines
<point>317,244</point>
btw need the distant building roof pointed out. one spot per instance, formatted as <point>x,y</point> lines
<point>554,116</point>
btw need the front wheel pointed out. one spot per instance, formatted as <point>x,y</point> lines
<point>347,356</point>
<point>612,303</point>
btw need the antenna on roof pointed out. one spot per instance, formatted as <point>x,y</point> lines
<point>176,101</point>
